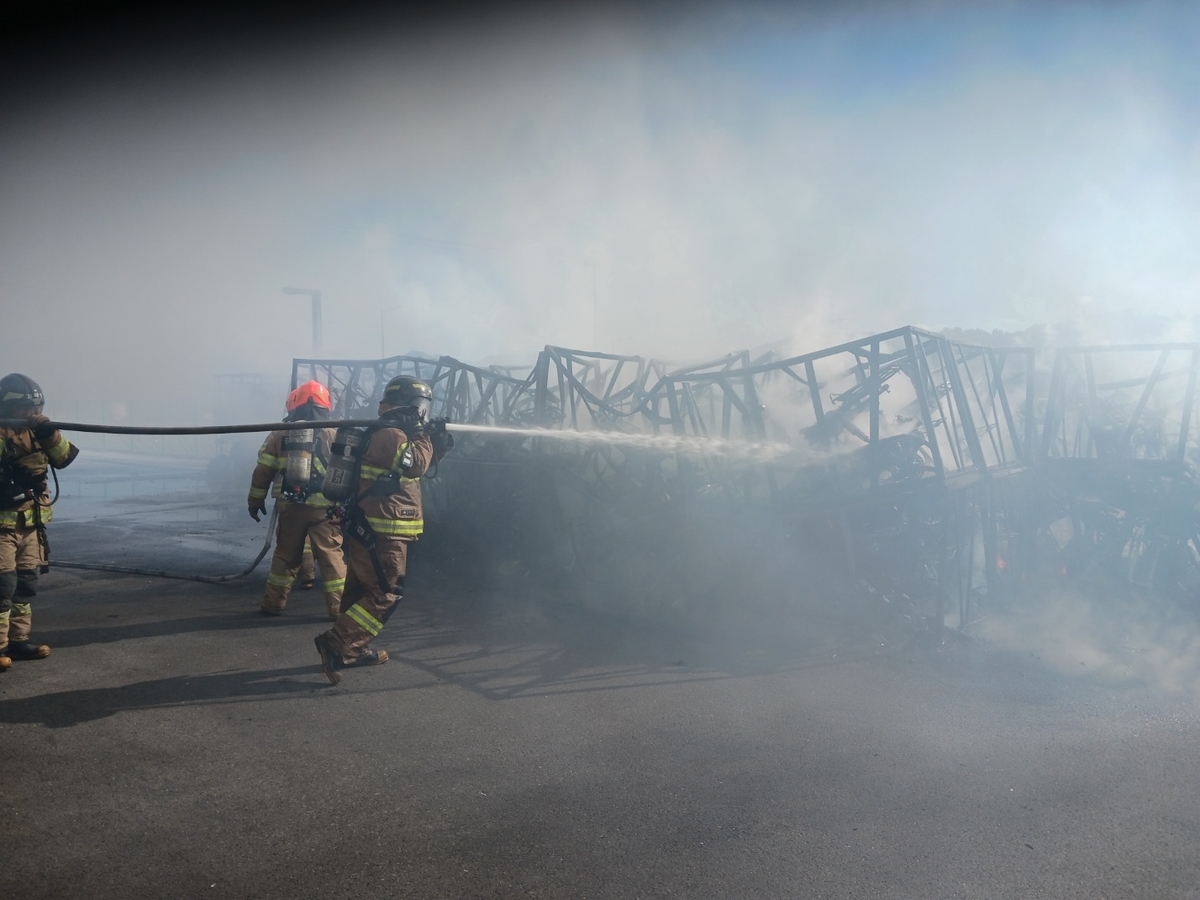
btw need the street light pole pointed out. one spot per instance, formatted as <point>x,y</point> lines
<point>316,315</point>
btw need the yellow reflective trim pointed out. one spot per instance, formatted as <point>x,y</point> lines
<point>4,616</point>
<point>369,623</point>
<point>60,451</point>
<point>317,499</point>
<point>22,609</point>
<point>280,580</point>
<point>11,518</point>
<point>397,526</point>
<point>271,462</point>
<point>335,584</point>
<point>371,472</point>
<point>258,493</point>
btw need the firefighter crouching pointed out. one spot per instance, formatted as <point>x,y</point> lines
<point>26,455</point>
<point>382,515</point>
<point>292,464</point>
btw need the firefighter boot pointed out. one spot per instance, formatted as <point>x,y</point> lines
<point>369,658</point>
<point>26,650</point>
<point>5,660</point>
<point>330,661</point>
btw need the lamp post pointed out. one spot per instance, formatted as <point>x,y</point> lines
<point>382,342</point>
<point>316,315</point>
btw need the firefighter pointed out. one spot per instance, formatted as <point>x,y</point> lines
<point>26,455</point>
<point>381,519</point>
<point>303,511</point>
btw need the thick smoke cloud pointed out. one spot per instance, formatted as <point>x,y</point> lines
<point>674,184</point>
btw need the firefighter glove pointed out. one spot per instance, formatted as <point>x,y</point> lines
<point>41,427</point>
<point>257,507</point>
<point>443,441</point>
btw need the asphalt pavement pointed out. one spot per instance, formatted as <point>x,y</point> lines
<point>179,744</point>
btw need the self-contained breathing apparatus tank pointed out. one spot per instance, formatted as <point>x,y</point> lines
<point>309,401</point>
<point>341,475</point>
<point>297,475</point>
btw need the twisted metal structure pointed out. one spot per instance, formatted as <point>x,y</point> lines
<point>925,474</point>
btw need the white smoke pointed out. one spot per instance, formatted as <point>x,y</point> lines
<point>598,180</point>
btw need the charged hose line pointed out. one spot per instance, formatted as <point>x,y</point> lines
<point>197,429</point>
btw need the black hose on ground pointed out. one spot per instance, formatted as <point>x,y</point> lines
<point>205,579</point>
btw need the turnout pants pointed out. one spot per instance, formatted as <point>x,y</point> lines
<point>308,571</point>
<point>366,605</point>
<point>298,521</point>
<point>20,556</point>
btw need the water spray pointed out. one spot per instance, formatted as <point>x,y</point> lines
<point>751,451</point>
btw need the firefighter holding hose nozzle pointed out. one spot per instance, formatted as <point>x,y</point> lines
<point>375,477</point>
<point>291,464</point>
<point>26,457</point>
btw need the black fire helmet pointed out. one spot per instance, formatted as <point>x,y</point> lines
<point>17,394</point>
<point>404,390</point>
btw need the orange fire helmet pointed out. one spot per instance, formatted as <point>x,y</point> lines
<point>310,390</point>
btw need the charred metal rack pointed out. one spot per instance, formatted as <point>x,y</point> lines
<point>926,474</point>
<point>1117,454</point>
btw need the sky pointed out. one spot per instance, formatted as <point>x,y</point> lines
<point>677,182</point>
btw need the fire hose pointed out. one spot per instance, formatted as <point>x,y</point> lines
<point>206,579</point>
<point>198,429</point>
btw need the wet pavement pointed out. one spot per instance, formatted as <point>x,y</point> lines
<point>179,744</point>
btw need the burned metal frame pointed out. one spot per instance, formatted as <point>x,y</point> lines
<point>931,457</point>
<point>1103,405</point>
<point>1117,455</point>
<point>461,391</point>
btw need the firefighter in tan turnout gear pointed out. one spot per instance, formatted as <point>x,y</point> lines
<point>26,456</point>
<point>291,464</point>
<point>382,516</point>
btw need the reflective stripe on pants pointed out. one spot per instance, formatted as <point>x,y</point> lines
<point>366,605</point>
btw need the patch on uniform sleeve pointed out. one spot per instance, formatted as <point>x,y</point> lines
<point>407,514</point>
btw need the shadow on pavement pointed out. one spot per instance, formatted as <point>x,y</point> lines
<point>68,708</point>
<point>505,651</point>
<point>106,634</point>
<point>529,650</point>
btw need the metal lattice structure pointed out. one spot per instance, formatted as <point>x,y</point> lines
<point>1123,403</point>
<point>928,472</point>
